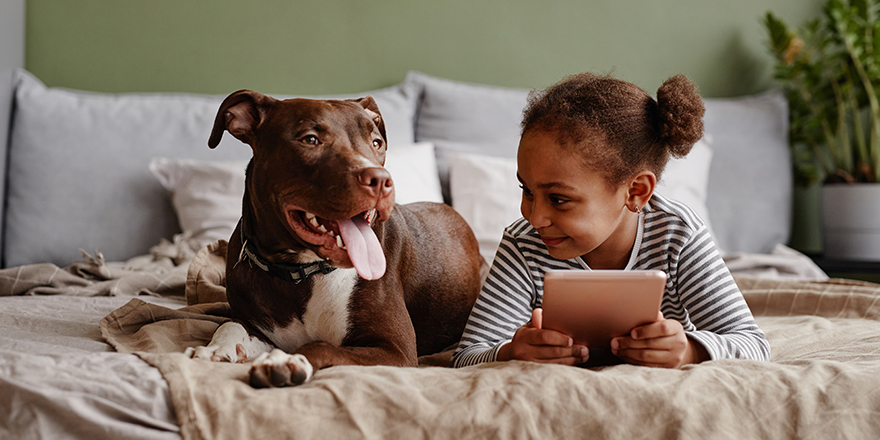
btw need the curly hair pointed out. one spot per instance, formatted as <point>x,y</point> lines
<point>616,126</point>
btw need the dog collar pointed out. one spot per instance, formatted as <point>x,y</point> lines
<point>295,273</point>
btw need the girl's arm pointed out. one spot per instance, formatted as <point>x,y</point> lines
<point>724,323</point>
<point>503,306</point>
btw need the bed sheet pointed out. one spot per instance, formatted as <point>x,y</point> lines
<point>64,381</point>
<point>59,378</point>
<point>823,382</point>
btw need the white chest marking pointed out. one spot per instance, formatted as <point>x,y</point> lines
<point>326,316</point>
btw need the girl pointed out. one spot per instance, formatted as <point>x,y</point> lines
<point>592,150</point>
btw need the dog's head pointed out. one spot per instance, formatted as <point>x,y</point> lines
<point>317,179</point>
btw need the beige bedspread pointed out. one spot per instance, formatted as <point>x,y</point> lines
<point>823,382</point>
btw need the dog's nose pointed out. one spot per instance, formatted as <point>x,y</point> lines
<point>377,180</point>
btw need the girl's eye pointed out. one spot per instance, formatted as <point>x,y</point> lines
<point>526,191</point>
<point>377,144</point>
<point>557,200</point>
<point>310,140</point>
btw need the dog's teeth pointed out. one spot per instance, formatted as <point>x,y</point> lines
<point>310,216</point>
<point>339,242</point>
<point>322,228</point>
<point>314,222</point>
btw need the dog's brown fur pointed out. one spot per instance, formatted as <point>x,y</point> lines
<point>422,302</point>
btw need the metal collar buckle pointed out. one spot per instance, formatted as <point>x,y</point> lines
<point>295,273</point>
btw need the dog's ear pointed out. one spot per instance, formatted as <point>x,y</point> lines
<point>369,104</point>
<point>240,114</point>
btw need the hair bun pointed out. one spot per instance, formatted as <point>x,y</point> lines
<point>680,114</point>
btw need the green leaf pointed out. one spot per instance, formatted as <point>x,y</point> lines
<point>830,69</point>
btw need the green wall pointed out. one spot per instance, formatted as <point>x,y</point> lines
<point>335,46</point>
<point>339,46</point>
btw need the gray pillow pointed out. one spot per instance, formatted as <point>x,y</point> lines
<point>750,181</point>
<point>467,118</point>
<point>78,166</point>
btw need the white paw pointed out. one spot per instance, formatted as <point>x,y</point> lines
<point>231,343</point>
<point>217,353</point>
<point>280,369</point>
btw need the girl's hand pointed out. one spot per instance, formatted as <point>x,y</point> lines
<point>532,343</point>
<point>662,343</point>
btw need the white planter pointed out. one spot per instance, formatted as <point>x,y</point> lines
<point>851,221</point>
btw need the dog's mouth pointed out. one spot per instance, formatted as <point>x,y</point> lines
<point>350,240</point>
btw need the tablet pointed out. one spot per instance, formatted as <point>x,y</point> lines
<point>595,306</point>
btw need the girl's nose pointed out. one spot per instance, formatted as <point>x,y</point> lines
<point>536,214</point>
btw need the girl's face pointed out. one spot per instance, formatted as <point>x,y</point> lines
<point>571,206</point>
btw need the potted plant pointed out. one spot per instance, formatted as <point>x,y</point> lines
<point>830,68</point>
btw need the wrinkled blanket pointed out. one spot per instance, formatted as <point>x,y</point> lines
<point>823,381</point>
<point>160,273</point>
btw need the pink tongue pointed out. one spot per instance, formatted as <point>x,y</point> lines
<point>363,247</point>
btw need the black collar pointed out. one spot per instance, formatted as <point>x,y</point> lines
<point>296,273</point>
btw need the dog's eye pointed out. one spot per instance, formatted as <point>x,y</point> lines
<point>377,143</point>
<point>310,140</point>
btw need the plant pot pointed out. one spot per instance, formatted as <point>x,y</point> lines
<point>851,221</point>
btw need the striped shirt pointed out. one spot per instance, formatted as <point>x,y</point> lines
<point>700,292</point>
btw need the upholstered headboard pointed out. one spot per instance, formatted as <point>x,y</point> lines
<point>11,58</point>
<point>78,174</point>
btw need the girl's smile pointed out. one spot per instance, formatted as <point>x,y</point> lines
<point>552,241</point>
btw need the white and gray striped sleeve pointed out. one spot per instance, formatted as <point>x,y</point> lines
<point>724,324</point>
<point>503,306</point>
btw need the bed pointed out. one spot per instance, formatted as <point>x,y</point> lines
<point>114,218</point>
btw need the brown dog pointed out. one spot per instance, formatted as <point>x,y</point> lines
<point>323,264</point>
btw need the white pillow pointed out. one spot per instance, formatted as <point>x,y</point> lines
<point>486,193</point>
<point>414,171</point>
<point>687,180</point>
<point>207,195</point>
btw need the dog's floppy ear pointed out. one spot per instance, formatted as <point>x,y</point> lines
<point>369,104</point>
<point>240,114</point>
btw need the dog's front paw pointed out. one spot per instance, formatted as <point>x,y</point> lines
<point>217,353</point>
<point>231,343</point>
<point>280,369</point>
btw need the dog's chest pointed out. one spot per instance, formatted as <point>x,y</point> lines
<point>326,314</point>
